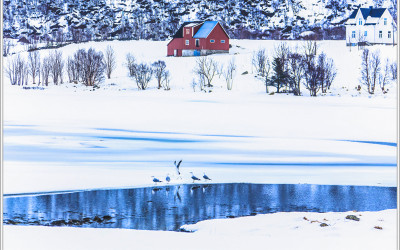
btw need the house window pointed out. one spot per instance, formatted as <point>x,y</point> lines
<point>187,31</point>
<point>365,33</point>
<point>389,34</point>
<point>380,34</point>
<point>212,41</point>
<point>353,34</point>
<point>385,21</point>
<point>359,21</point>
<point>187,42</point>
<point>197,43</point>
<point>222,41</point>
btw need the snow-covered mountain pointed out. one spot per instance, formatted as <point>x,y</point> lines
<point>71,20</point>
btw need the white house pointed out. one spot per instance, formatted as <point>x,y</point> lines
<point>370,26</point>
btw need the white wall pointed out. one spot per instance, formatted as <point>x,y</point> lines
<point>372,30</point>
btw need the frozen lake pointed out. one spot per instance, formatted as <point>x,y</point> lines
<point>170,207</point>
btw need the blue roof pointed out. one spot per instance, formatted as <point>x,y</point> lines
<point>205,29</point>
<point>372,12</point>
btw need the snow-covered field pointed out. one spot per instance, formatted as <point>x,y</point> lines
<point>70,137</point>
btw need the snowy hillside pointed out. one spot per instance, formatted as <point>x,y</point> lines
<point>67,20</point>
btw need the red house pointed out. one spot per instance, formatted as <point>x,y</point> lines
<point>199,38</point>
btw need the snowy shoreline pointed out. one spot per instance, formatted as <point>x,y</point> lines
<point>294,230</point>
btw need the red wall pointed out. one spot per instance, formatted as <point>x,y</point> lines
<point>216,34</point>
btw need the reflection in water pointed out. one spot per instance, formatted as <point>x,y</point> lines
<point>169,207</point>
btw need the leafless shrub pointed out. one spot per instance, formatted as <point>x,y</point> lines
<point>109,61</point>
<point>34,64</point>
<point>229,73</point>
<point>56,66</point>
<point>131,64</point>
<point>143,75</point>
<point>159,68</point>
<point>17,71</point>
<point>45,71</point>
<point>206,69</point>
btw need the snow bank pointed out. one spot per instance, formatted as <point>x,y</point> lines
<point>273,231</point>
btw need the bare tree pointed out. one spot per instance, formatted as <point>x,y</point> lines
<point>165,80</point>
<point>45,71</point>
<point>259,61</point>
<point>109,61</point>
<point>310,50</point>
<point>384,78</point>
<point>34,64</point>
<point>72,70</point>
<point>375,70</point>
<point>131,64</point>
<point>143,75</point>
<point>6,47</point>
<point>93,67</point>
<point>393,70</point>
<point>159,68</point>
<point>229,73</point>
<point>17,71</point>
<point>57,66</point>
<point>370,70</point>
<point>296,72</point>
<point>206,68</point>
<point>328,72</point>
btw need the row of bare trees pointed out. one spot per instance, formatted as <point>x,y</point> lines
<point>374,73</point>
<point>142,73</point>
<point>290,68</point>
<point>87,67</point>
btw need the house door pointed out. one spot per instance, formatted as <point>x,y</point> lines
<point>175,52</point>
<point>197,43</point>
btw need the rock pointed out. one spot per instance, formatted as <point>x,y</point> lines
<point>107,217</point>
<point>323,225</point>
<point>245,73</point>
<point>86,220</point>
<point>378,227</point>
<point>75,222</point>
<point>97,219</point>
<point>58,223</point>
<point>352,217</point>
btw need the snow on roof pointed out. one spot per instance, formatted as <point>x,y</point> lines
<point>205,29</point>
<point>372,20</point>
<point>307,33</point>
<point>192,24</point>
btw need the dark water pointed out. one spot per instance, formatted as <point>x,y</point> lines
<point>168,208</point>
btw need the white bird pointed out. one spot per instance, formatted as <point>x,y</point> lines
<point>177,168</point>
<point>206,177</point>
<point>194,178</point>
<point>155,180</point>
<point>168,179</point>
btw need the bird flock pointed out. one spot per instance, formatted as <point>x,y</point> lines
<point>179,176</point>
